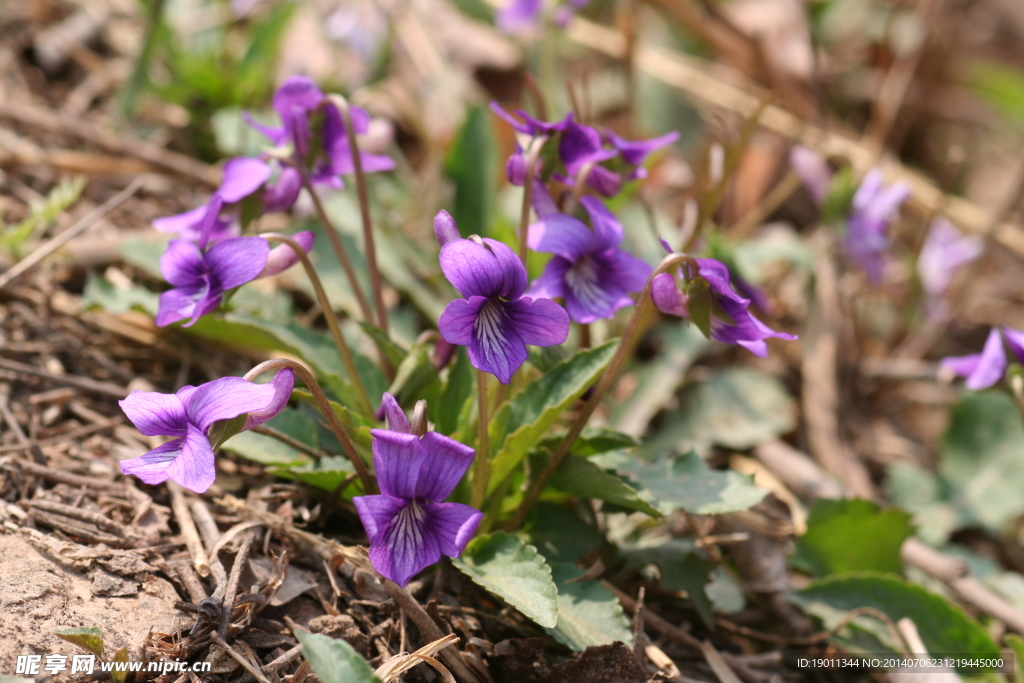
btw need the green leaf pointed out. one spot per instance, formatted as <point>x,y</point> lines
<point>698,303</point>
<point>358,428</point>
<point>470,166</point>
<point>581,478</point>
<point>89,638</point>
<point>588,613</point>
<point>458,388</point>
<point>395,353</point>
<point>1014,642</point>
<point>920,491</point>
<point>594,441</point>
<point>1002,86</point>
<point>559,535</point>
<point>981,459</point>
<point>659,379</point>
<point>681,567</point>
<point>944,628</point>
<point>535,410</point>
<point>416,378</point>
<point>515,572</point>
<point>334,660</point>
<point>267,450</point>
<point>737,408</point>
<point>851,535</point>
<point>326,474</point>
<point>685,482</point>
<point>120,656</point>
<point>104,294</point>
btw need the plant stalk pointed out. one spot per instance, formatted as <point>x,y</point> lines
<point>364,209</point>
<point>332,319</point>
<point>626,344</point>
<point>532,155</point>
<point>325,408</point>
<point>339,248</point>
<point>482,466</point>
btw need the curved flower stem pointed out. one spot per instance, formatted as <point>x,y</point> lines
<point>328,412</point>
<point>332,319</point>
<point>532,155</point>
<point>626,344</point>
<point>364,209</point>
<point>339,248</point>
<point>482,466</point>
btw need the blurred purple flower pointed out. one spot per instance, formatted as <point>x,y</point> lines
<point>984,369</point>
<point>188,415</point>
<point>874,207</point>
<point>494,320</point>
<point>731,319</point>
<point>943,253</point>
<point>588,269</point>
<point>813,171</point>
<point>518,16</point>
<point>296,101</point>
<point>408,525</point>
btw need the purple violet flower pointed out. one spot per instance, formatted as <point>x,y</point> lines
<point>589,269</point>
<point>217,220</point>
<point>296,101</point>
<point>200,278</point>
<point>188,415</point>
<point>944,252</point>
<point>731,319</point>
<point>408,525</point>
<point>984,369</point>
<point>494,320</point>
<point>874,207</point>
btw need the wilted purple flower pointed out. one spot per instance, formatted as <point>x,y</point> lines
<point>200,278</point>
<point>874,206</point>
<point>944,251</point>
<point>297,101</point>
<point>494,321</point>
<point>188,415</point>
<point>731,320</point>
<point>408,525</point>
<point>589,269</point>
<point>984,369</point>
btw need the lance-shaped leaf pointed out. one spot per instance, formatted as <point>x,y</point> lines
<point>581,478</point>
<point>89,638</point>
<point>530,414</point>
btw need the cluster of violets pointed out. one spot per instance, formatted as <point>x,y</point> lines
<point>498,315</point>
<point>589,270</point>
<point>210,256</point>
